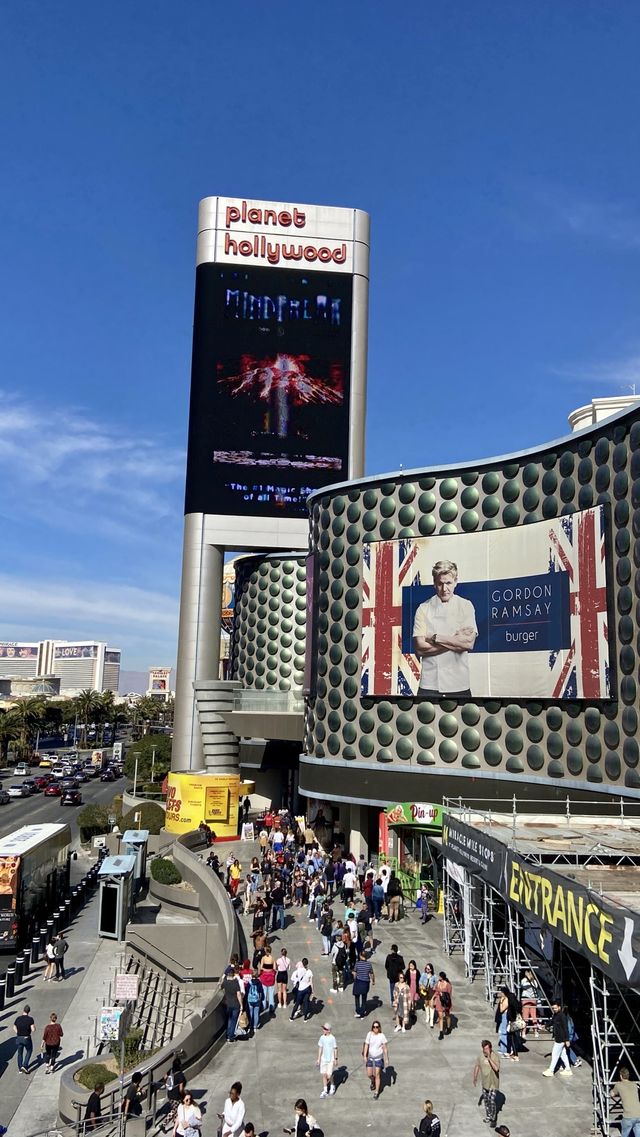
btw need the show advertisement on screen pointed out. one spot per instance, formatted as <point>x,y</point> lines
<point>504,613</point>
<point>270,388</point>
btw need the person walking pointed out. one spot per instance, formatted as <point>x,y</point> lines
<point>50,956</point>
<point>338,961</point>
<point>426,987</point>
<point>60,948</point>
<point>235,872</point>
<point>267,975</point>
<point>93,1111</point>
<point>625,1093</point>
<point>303,1122</point>
<point>51,1038</point>
<point>412,976</point>
<point>188,1116</point>
<point>303,987</point>
<point>255,999</point>
<point>377,900</point>
<point>233,994</point>
<point>487,1068</point>
<point>131,1104</point>
<point>430,1124</point>
<point>283,964</point>
<point>375,1051</point>
<point>327,1058</point>
<point>561,1042</point>
<point>529,998</point>
<point>393,965</point>
<point>363,978</point>
<point>277,905</point>
<point>443,1003</point>
<point>23,1029</point>
<point>349,883</point>
<point>232,1117</point>
<point>394,898</point>
<point>402,1004</point>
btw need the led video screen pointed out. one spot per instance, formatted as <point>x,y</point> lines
<point>269,417</point>
<point>515,613</point>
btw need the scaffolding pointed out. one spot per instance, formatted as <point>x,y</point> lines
<point>615,1037</point>
<point>453,934</point>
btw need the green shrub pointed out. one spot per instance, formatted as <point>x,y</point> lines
<point>152,817</point>
<point>131,1047</point>
<point>92,1074</point>
<point>164,871</point>
<point>93,820</point>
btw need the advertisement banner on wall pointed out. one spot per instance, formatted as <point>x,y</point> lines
<point>516,613</point>
<point>416,813</point>
<point>474,850</point>
<point>269,389</point>
<point>18,651</point>
<point>212,798</point>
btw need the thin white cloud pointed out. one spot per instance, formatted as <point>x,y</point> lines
<point>141,621</point>
<point>63,468</point>
<point>539,209</point>
<point>611,221</point>
<point>622,374</point>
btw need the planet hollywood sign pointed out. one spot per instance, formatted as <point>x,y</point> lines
<point>277,233</point>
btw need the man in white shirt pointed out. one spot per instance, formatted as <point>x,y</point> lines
<point>327,1058</point>
<point>444,632</point>
<point>234,1110</point>
<point>349,884</point>
<point>302,980</point>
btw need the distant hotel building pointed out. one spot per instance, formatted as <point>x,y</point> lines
<point>78,665</point>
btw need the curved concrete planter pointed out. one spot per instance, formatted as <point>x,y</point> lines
<point>174,895</point>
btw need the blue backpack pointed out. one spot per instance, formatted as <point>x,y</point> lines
<point>254,995</point>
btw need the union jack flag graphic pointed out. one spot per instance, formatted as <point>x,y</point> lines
<point>577,547</point>
<point>570,663</point>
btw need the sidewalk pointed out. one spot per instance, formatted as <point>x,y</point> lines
<point>278,1064</point>
<point>29,1104</point>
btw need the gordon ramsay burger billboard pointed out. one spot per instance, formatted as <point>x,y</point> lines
<point>278,371</point>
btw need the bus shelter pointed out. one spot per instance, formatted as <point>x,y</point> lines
<point>556,900</point>
<point>134,843</point>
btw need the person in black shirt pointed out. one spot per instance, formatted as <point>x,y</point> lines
<point>393,965</point>
<point>277,905</point>
<point>24,1027</point>
<point>131,1104</point>
<point>430,1124</point>
<point>93,1112</point>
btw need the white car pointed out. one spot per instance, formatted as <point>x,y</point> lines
<point>21,770</point>
<point>18,791</point>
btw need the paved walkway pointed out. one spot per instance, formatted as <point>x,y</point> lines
<point>278,1064</point>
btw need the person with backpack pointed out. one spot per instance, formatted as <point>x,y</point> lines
<point>255,999</point>
<point>61,947</point>
<point>443,1003</point>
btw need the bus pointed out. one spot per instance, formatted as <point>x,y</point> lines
<point>34,879</point>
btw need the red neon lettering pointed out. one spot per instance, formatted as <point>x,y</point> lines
<point>233,214</point>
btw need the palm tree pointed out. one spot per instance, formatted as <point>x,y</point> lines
<point>87,705</point>
<point>30,716</point>
<point>9,732</point>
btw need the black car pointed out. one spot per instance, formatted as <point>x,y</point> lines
<point>4,797</point>
<point>107,775</point>
<point>71,797</point>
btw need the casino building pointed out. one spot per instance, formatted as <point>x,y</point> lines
<point>537,771</point>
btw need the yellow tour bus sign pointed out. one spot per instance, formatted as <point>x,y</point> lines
<point>212,798</point>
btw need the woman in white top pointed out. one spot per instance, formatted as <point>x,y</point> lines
<point>375,1051</point>
<point>189,1116</point>
<point>50,956</point>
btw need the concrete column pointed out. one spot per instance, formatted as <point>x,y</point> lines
<point>220,746</point>
<point>198,637</point>
<point>357,837</point>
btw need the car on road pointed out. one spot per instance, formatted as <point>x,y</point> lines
<point>32,785</point>
<point>82,775</point>
<point>4,797</point>
<point>18,790</point>
<point>22,770</point>
<point>53,790</point>
<point>69,784</point>
<point>71,797</point>
<point>107,775</point>
<point>45,763</point>
<point>42,781</point>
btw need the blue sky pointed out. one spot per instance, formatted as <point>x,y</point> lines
<point>496,146</point>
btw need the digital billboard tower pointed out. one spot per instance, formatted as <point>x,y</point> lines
<point>278,386</point>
